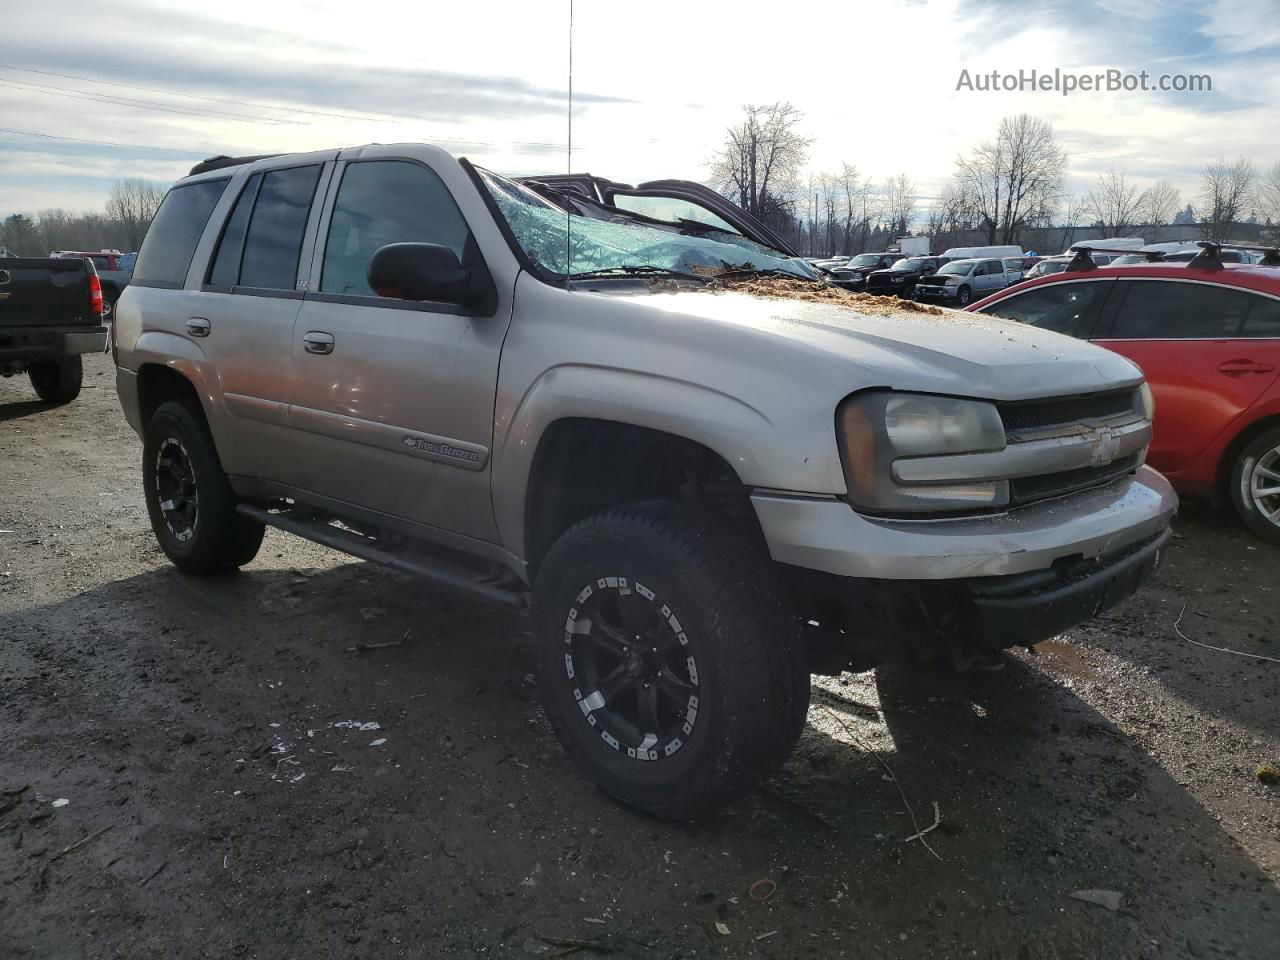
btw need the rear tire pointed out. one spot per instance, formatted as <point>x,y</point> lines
<point>57,381</point>
<point>190,501</point>
<point>668,663</point>
<point>1257,471</point>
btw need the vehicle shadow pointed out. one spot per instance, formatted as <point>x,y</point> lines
<point>22,408</point>
<point>317,759</point>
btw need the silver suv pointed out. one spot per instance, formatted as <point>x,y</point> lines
<point>964,281</point>
<point>535,392</point>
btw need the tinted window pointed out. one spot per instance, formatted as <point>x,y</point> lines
<point>274,241</point>
<point>171,240</point>
<point>1264,318</point>
<point>226,263</point>
<point>1163,310</point>
<point>101,263</point>
<point>381,202</point>
<point>1062,307</point>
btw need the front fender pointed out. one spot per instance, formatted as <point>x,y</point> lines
<point>742,435</point>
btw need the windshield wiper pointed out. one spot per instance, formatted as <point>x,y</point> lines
<point>637,270</point>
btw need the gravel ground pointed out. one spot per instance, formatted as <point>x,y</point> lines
<point>247,776</point>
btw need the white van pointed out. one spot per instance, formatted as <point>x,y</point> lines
<point>1109,243</point>
<point>983,253</point>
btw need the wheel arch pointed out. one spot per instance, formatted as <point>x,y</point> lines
<point>584,464</point>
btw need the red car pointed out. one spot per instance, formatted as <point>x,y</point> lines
<point>1207,336</point>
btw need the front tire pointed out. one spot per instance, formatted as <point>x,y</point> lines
<point>1255,485</point>
<point>667,662</point>
<point>57,381</point>
<point>191,503</point>
<point>964,296</point>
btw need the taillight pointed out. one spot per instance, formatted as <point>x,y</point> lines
<point>95,295</point>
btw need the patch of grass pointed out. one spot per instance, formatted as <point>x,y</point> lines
<point>1268,773</point>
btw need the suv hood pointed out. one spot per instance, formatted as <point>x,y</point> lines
<point>951,352</point>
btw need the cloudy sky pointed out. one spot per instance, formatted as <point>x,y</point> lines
<point>145,89</point>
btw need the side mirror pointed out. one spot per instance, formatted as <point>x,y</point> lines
<point>423,271</point>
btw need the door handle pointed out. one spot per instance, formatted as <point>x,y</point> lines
<point>198,327</point>
<point>1238,368</point>
<point>315,341</point>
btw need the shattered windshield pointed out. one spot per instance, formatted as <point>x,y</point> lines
<point>959,268</point>
<point>541,229</point>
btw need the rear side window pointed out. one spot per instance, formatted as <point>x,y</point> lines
<point>1165,310</point>
<point>1263,319</point>
<point>273,242</point>
<point>226,263</point>
<point>1061,307</point>
<point>381,202</point>
<point>171,240</point>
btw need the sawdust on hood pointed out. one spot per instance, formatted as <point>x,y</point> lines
<point>797,288</point>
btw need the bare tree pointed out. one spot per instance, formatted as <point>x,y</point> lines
<point>1114,203</point>
<point>950,215</point>
<point>1159,204</point>
<point>1014,178</point>
<point>899,204</point>
<point>133,202</point>
<point>1269,201</point>
<point>1226,190</point>
<point>760,162</point>
<point>1073,210</point>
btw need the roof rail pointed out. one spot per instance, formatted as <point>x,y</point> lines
<point>1270,254</point>
<point>222,160</point>
<point>1151,255</point>
<point>1083,260</point>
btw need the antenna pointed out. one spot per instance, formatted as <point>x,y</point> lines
<point>568,160</point>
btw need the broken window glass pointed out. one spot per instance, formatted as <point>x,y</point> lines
<point>566,244</point>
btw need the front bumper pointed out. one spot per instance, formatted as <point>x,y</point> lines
<point>936,293</point>
<point>828,535</point>
<point>884,588</point>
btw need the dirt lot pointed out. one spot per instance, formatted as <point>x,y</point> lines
<point>212,729</point>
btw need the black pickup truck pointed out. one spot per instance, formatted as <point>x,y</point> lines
<point>50,314</point>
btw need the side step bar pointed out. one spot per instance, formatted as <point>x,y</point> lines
<point>449,574</point>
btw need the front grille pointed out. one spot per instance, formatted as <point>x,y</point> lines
<point>1030,489</point>
<point>1064,411</point>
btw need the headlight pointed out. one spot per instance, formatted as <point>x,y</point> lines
<point>895,279</point>
<point>1146,402</point>
<point>877,429</point>
<point>952,281</point>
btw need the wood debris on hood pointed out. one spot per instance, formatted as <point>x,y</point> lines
<point>797,288</point>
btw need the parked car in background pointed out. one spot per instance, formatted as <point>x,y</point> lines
<point>853,275</point>
<point>704,495</point>
<point>1014,268</point>
<point>1207,335</point>
<point>115,270</point>
<point>963,281</point>
<point>900,279</point>
<point>50,314</point>
<point>1047,266</point>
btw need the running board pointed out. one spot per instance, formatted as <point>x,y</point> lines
<point>485,586</point>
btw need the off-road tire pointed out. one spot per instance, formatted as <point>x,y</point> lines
<point>1242,482</point>
<point>219,540</point>
<point>751,678</point>
<point>57,381</point>
<point>964,296</point>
